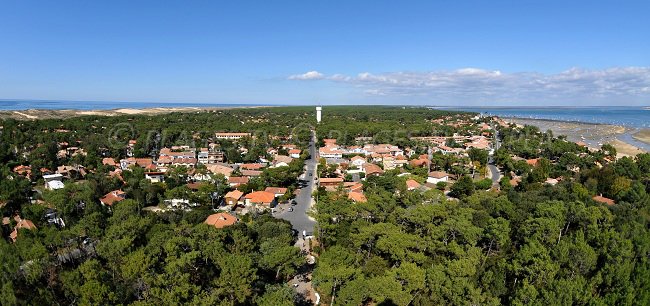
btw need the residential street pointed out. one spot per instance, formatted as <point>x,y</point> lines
<point>494,171</point>
<point>298,217</point>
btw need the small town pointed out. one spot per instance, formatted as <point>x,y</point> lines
<point>357,153</point>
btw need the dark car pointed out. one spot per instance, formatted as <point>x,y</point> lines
<point>294,203</point>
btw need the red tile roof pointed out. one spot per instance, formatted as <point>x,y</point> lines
<point>263,197</point>
<point>221,220</point>
<point>113,197</point>
<point>357,197</point>
<point>276,190</point>
<point>412,184</point>
<point>251,173</point>
<point>331,180</point>
<point>238,180</point>
<point>235,194</point>
<point>251,166</point>
<point>604,200</point>
<point>532,162</point>
<point>438,174</point>
<point>372,169</point>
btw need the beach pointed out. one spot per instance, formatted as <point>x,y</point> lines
<point>642,135</point>
<point>627,141</point>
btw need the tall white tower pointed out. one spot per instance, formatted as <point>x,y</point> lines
<point>319,109</point>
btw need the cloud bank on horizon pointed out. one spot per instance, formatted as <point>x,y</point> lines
<point>473,86</point>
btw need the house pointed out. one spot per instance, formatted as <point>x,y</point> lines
<point>330,152</point>
<point>357,161</point>
<point>446,150</point>
<point>437,176</point>
<point>236,181</point>
<point>277,191</point>
<point>412,185</point>
<point>604,200</point>
<point>272,151</point>
<point>372,169</point>
<point>255,166</point>
<point>131,147</point>
<point>551,181</point>
<point>53,181</point>
<point>532,162</point>
<point>186,162</point>
<point>113,197</point>
<point>282,159</point>
<point>357,197</point>
<point>155,177</point>
<point>117,173</point>
<point>388,163</point>
<point>353,187</point>
<point>330,181</point>
<point>179,203</point>
<point>260,198</point>
<point>251,173</point>
<point>109,161</point>
<point>232,136</point>
<point>202,156</point>
<point>23,170</point>
<point>70,171</point>
<point>208,156</point>
<point>233,197</point>
<point>514,182</point>
<point>295,153</point>
<point>221,220</point>
<point>131,161</point>
<point>182,152</point>
<point>415,163</point>
<point>220,169</point>
<point>21,223</point>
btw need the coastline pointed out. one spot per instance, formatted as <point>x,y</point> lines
<point>37,114</point>
<point>642,135</point>
<point>627,141</point>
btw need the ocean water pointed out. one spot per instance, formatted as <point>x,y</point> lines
<point>100,105</point>
<point>632,117</point>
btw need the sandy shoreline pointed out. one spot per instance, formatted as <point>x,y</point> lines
<point>594,135</point>
<point>35,114</point>
<point>642,135</point>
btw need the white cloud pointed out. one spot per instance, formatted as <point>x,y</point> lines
<point>309,75</point>
<point>473,85</point>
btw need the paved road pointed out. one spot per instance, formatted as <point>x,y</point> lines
<point>496,174</point>
<point>298,217</point>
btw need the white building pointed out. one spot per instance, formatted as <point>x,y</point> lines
<point>232,135</point>
<point>53,181</point>
<point>319,110</point>
<point>437,176</point>
<point>155,177</point>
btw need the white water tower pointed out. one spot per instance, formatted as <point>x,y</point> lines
<point>319,109</point>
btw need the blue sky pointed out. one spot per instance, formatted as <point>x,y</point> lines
<point>339,52</point>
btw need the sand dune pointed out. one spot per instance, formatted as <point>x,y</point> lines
<point>34,114</point>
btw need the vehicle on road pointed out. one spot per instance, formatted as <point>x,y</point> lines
<point>294,203</point>
<point>290,209</point>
